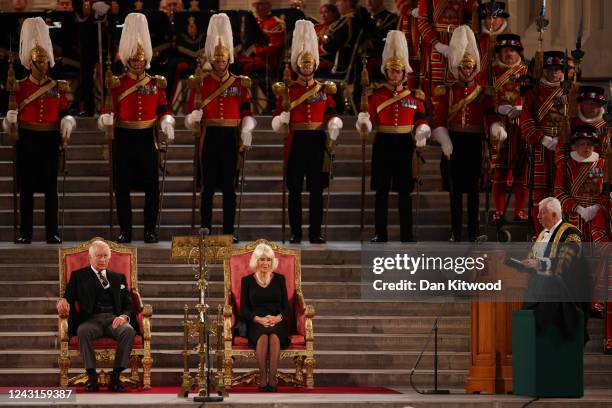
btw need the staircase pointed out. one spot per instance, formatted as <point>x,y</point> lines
<point>357,342</point>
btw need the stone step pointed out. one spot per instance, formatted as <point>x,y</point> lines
<point>252,232</point>
<point>324,324</point>
<point>348,307</point>
<point>325,359</point>
<point>423,379</point>
<point>323,341</point>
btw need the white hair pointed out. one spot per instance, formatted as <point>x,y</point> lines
<point>553,205</point>
<point>98,244</point>
<point>262,249</point>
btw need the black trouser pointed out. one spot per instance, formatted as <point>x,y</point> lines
<point>392,171</point>
<point>462,176</point>
<point>219,158</point>
<point>37,165</point>
<point>306,160</point>
<point>136,168</point>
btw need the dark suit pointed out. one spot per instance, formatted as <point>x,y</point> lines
<point>84,288</point>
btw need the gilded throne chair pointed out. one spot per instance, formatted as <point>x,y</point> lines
<point>301,349</point>
<point>123,260</point>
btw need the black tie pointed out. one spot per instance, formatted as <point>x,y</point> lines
<point>103,280</point>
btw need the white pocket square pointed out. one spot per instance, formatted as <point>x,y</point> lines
<point>122,286</point>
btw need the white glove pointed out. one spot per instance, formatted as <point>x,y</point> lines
<point>363,119</point>
<point>333,127</point>
<point>167,126</point>
<point>285,118</point>
<point>248,124</point>
<point>504,109</point>
<point>276,124</point>
<point>515,112</point>
<point>421,135</point>
<point>415,12</point>
<point>100,8</point>
<point>67,125</point>
<point>550,142</point>
<point>11,117</point>
<point>441,48</point>
<point>498,132</point>
<point>440,135</point>
<point>591,212</point>
<point>105,119</point>
<point>194,117</point>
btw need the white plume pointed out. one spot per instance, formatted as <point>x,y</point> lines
<point>219,27</point>
<point>34,31</point>
<point>135,29</point>
<point>395,44</point>
<point>304,40</point>
<point>462,40</point>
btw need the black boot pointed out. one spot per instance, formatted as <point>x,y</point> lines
<point>54,239</point>
<point>92,384</point>
<point>24,239</point>
<point>115,383</point>
<point>150,237</point>
<point>124,237</point>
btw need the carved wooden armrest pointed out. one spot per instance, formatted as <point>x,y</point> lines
<point>147,312</point>
<point>137,300</point>
<point>309,311</point>
<point>227,323</point>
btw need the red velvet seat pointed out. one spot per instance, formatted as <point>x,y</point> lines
<point>300,321</point>
<point>123,260</point>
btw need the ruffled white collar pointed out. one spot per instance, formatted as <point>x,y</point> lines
<point>591,159</point>
<point>591,120</point>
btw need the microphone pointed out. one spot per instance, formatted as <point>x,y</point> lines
<point>203,232</point>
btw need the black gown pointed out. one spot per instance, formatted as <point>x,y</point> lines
<point>258,301</point>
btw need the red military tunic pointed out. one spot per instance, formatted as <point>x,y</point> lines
<point>313,112</point>
<point>229,107</point>
<point>401,116</point>
<point>581,184</point>
<point>42,112</point>
<point>434,26</point>
<point>138,102</point>
<point>462,109</point>
<point>258,56</point>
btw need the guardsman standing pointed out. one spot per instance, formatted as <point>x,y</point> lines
<point>399,114</point>
<point>42,124</point>
<point>226,120</point>
<point>312,110</point>
<point>138,105</point>
<point>493,22</point>
<point>544,111</point>
<point>460,112</point>
<point>506,71</point>
<point>591,108</point>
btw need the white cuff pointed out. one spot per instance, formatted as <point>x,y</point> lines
<point>248,124</point>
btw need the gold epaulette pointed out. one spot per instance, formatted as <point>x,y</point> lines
<point>245,81</point>
<point>63,85</point>
<point>160,82</point>
<point>116,81</point>
<point>440,90</point>
<point>419,94</point>
<point>278,88</point>
<point>330,87</point>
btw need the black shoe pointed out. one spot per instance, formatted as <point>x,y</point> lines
<point>295,239</point>
<point>23,239</point>
<point>379,238</point>
<point>150,238</point>
<point>54,239</point>
<point>92,384</point>
<point>317,240</point>
<point>235,239</point>
<point>115,384</point>
<point>124,238</point>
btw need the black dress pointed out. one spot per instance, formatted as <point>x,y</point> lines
<point>271,300</point>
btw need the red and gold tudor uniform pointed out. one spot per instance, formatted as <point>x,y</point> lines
<point>462,108</point>
<point>604,132</point>
<point>311,107</point>
<point>408,25</point>
<point>41,105</point>
<point>258,56</point>
<point>225,101</point>
<point>396,112</point>
<point>507,92</point>
<point>139,102</point>
<point>542,115</point>
<point>434,25</point>
<point>487,39</point>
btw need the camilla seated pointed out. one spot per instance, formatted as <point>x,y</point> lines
<point>265,308</point>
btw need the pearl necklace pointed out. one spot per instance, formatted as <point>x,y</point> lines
<point>262,282</point>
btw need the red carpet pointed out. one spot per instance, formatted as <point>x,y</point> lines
<point>252,389</point>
